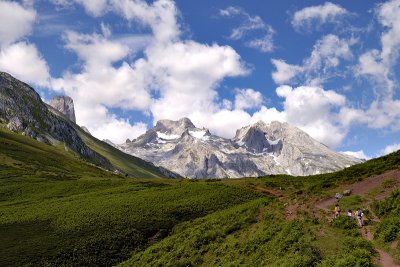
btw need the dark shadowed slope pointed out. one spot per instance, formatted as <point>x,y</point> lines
<point>22,111</point>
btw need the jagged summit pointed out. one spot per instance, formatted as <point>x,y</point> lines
<point>174,127</point>
<point>23,111</point>
<point>256,150</point>
<point>65,105</point>
<point>256,141</point>
<point>169,130</point>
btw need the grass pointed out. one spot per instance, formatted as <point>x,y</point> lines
<point>58,210</point>
<point>131,165</point>
<point>22,156</point>
<point>351,203</point>
<point>234,236</point>
<point>388,229</point>
<point>103,221</point>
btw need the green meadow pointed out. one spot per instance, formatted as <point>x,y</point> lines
<point>58,210</point>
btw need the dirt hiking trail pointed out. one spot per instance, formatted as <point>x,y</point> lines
<point>361,189</point>
<point>384,259</point>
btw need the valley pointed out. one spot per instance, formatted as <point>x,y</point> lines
<point>172,133</point>
<point>77,214</point>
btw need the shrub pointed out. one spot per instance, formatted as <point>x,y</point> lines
<point>389,209</point>
<point>357,252</point>
<point>388,229</point>
<point>389,183</point>
<point>389,206</point>
<point>358,257</point>
<point>344,222</point>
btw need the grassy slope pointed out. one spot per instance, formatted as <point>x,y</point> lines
<point>56,209</point>
<point>260,233</point>
<point>388,230</point>
<point>131,165</point>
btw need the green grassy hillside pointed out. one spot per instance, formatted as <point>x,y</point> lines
<point>55,209</point>
<point>131,165</point>
<point>58,210</point>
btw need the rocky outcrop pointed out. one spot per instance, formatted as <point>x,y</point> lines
<point>65,105</point>
<point>256,150</point>
<point>23,111</point>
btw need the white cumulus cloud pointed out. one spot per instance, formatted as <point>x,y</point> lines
<point>249,26</point>
<point>24,61</point>
<point>390,148</point>
<point>378,65</point>
<point>248,99</point>
<point>320,66</point>
<point>357,154</point>
<point>313,110</point>
<point>314,16</point>
<point>175,78</point>
<point>118,130</point>
<point>16,22</point>
<point>17,57</point>
<point>284,72</point>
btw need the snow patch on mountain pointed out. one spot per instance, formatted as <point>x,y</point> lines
<point>167,136</point>
<point>256,150</point>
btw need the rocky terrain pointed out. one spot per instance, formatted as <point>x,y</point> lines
<point>65,105</point>
<point>23,111</point>
<point>256,150</point>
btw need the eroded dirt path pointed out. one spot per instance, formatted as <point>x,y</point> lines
<point>384,259</point>
<point>362,188</point>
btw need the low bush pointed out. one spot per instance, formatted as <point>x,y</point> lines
<point>388,229</point>
<point>356,252</point>
<point>344,222</point>
<point>389,183</point>
<point>389,206</point>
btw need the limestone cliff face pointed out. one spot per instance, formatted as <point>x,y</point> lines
<point>23,111</point>
<point>256,150</point>
<point>65,105</point>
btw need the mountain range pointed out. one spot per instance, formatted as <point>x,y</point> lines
<point>23,111</point>
<point>67,198</point>
<point>170,148</point>
<point>256,150</point>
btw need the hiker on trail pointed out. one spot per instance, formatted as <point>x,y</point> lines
<point>359,215</point>
<point>337,211</point>
<point>350,214</point>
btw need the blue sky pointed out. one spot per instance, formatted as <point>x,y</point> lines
<point>329,68</point>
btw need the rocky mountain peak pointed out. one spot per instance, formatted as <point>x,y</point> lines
<point>258,149</point>
<point>65,105</point>
<point>257,139</point>
<point>23,111</point>
<point>173,127</point>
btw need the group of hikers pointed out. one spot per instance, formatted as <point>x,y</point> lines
<point>358,214</point>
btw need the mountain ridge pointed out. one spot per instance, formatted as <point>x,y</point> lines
<point>22,111</point>
<point>65,105</point>
<point>256,150</point>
